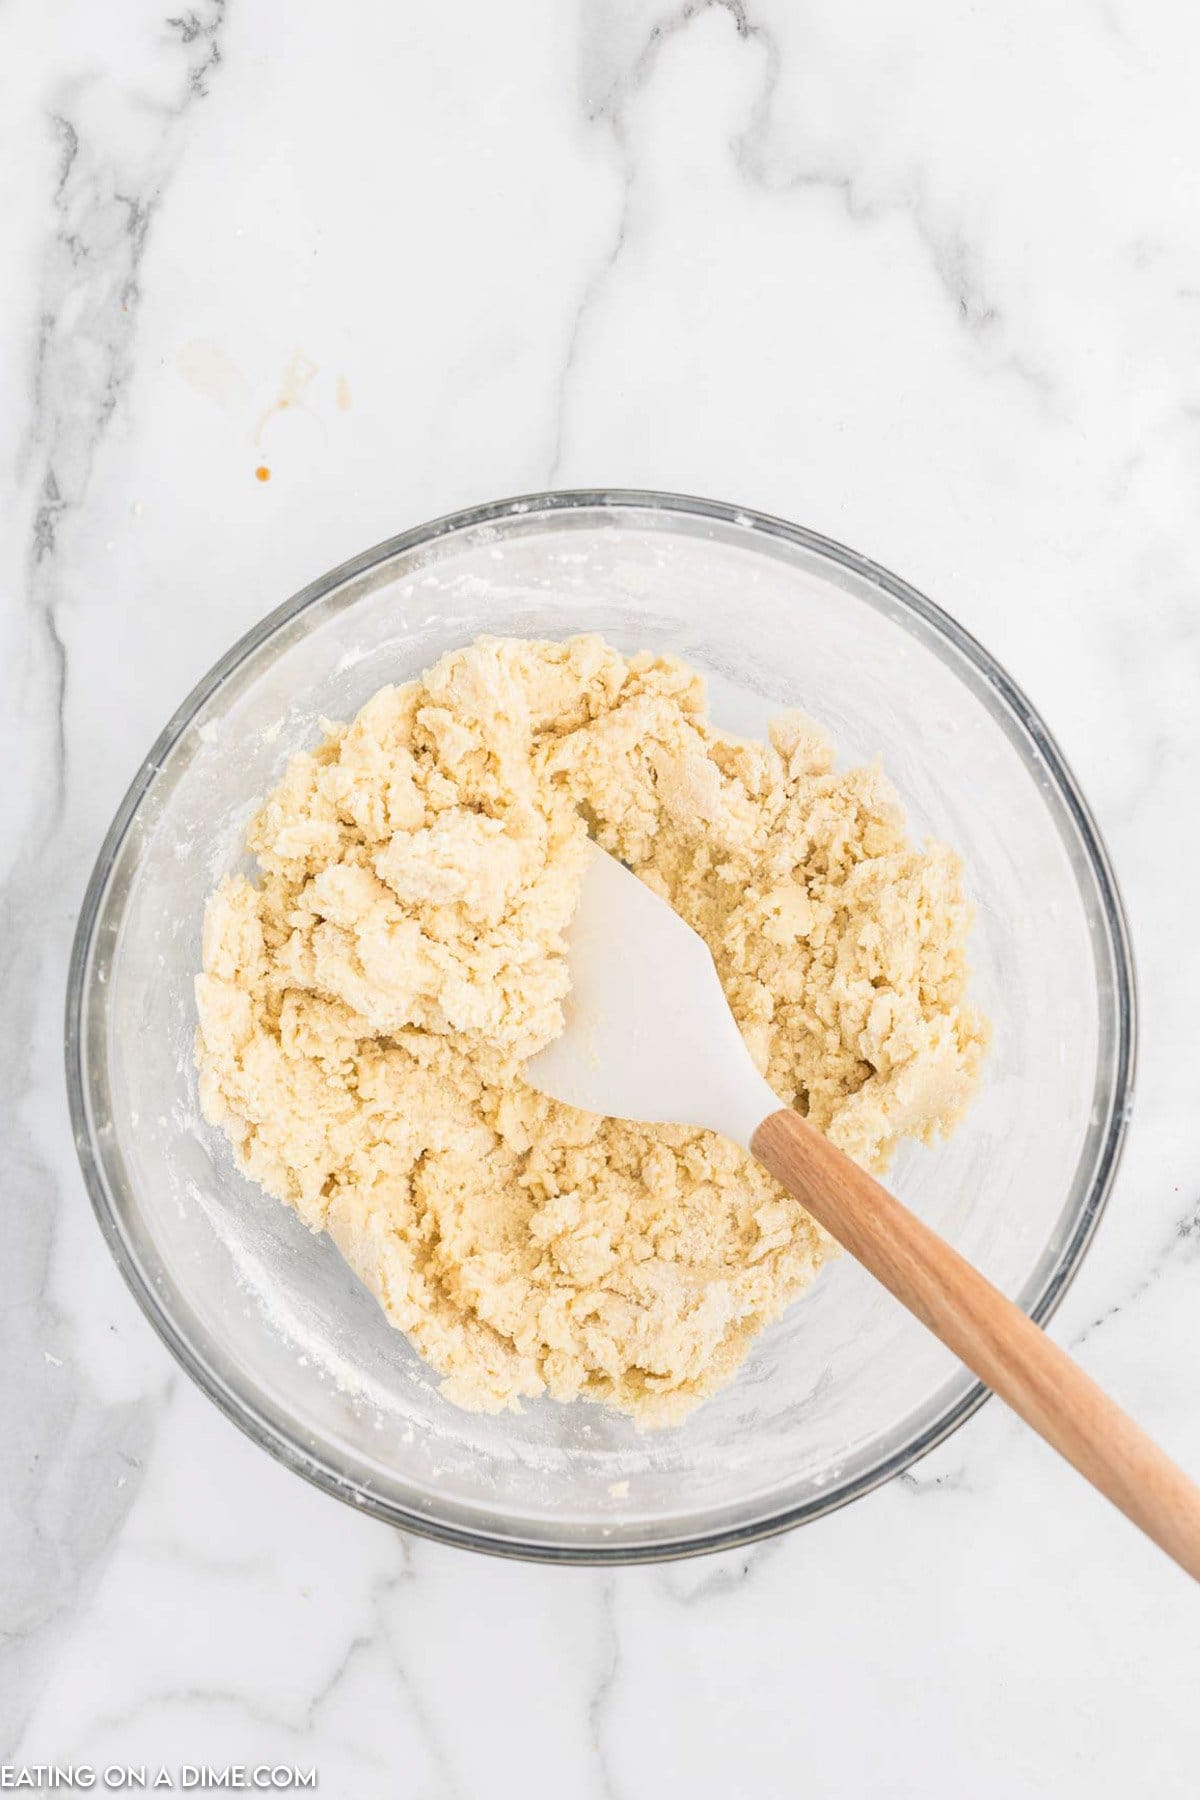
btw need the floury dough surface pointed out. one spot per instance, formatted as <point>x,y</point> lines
<point>366,1006</point>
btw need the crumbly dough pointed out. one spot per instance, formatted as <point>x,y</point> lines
<point>367,1005</point>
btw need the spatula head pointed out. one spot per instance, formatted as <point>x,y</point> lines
<point>649,1034</point>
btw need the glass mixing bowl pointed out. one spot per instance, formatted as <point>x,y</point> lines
<point>846,1390</point>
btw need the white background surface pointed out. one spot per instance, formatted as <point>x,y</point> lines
<point>924,278</point>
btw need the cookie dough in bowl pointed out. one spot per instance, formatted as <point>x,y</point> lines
<point>370,994</point>
<point>844,1388</point>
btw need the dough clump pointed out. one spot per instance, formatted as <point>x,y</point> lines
<point>366,1006</point>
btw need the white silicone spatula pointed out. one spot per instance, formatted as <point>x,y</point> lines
<point>649,1036</point>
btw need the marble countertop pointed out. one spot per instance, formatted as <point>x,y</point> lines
<point>925,279</point>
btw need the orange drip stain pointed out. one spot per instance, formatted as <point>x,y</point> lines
<point>297,379</point>
<point>262,472</point>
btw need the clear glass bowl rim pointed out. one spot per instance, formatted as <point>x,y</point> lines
<point>1035,741</point>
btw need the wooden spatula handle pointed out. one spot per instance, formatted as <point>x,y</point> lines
<point>991,1335</point>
